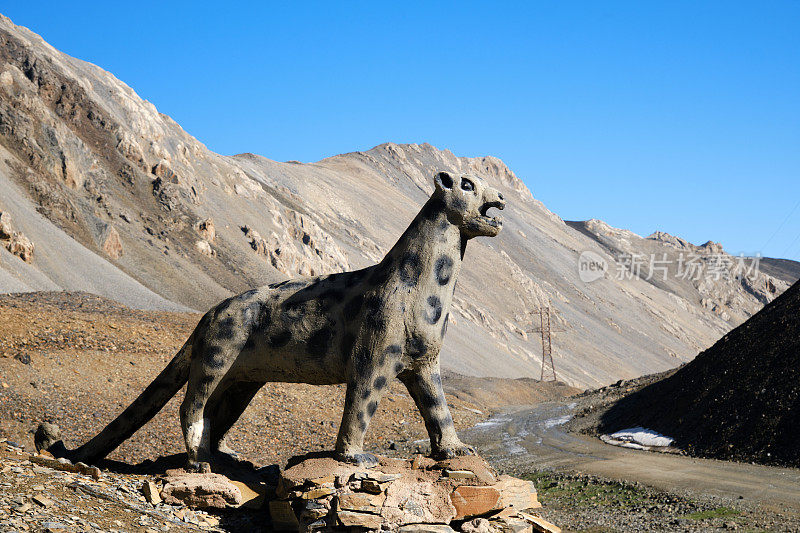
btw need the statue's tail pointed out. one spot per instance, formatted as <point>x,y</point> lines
<point>143,408</point>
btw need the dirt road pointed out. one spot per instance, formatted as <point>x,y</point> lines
<point>533,439</point>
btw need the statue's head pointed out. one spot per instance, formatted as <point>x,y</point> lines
<point>467,200</point>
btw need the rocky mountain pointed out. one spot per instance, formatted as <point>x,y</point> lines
<point>100,192</point>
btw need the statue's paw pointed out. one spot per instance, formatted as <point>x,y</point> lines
<point>363,459</point>
<point>46,436</point>
<point>198,467</point>
<point>454,451</point>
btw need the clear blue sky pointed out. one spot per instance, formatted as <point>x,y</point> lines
<point>674,116</point>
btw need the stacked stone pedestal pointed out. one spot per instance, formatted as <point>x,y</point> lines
<point>318,493</point>
<point>460,494</point>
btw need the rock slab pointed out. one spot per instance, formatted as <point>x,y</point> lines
<point>419,494</point>
<point>201,491</point>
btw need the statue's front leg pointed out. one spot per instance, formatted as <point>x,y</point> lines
<point>425,386</point>
<point>367,385</point>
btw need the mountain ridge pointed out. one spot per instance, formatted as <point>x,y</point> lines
<point>94,175</point>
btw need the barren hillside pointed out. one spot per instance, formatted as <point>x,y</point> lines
<point>100,192</point>
<point>737,400</point>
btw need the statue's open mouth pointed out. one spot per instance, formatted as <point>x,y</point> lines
<point>494,221</point>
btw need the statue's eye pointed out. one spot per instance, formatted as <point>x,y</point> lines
<point>467,185</point>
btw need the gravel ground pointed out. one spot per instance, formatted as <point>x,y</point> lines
<point>37,498</point>
<point>78,359</point>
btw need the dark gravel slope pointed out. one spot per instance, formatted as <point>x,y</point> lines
<point>739,400</point>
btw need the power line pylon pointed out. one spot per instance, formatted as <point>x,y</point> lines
<point>546,329</point>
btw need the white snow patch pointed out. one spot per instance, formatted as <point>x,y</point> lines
<point>642,437</point>
<point>492,422</point>
<point>553,422</point>
<point>512,444</point>
<point>622,443</point>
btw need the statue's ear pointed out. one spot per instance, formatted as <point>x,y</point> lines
<point>443,180</point>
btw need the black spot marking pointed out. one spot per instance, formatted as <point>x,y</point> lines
<point>206,380</point>
<point>319,341</point>
<point>362,422</point>
<point>366,394</point>
<point>225,330</point>
<point>373,313</point>
<point>416,347</point>
<point>394,349</point>
<point>444,324</point>
<point>294,311</point>
<point>433,312</point>
<point>380,383</point>
<point>211,357</point>
<point>249,294</point>
<point>410,269</point>
<point>443,270</point>
<point>287,284</point>
<point>264,320</point>
<point>459,204</point>
<point>353,307</point>
<point>197,405</point>
<point>372,407</point>
<point>398,367</point>
<point>279,339</point>
<point>429,399</point>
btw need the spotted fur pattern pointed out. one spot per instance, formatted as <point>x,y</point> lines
<point>363,328</point>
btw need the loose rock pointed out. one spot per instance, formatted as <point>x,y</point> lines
<point>151,492</point>
<point>201,491</point>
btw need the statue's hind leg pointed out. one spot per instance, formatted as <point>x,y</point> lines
<point>224,410</point>
<point>206,376</point>
<point>196,428</point>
